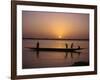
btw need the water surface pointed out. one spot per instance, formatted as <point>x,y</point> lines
<point>30,58</point>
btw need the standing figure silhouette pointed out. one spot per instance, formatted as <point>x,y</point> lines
<point>37,49</point>
<point>66,45</point>
<point>72,45</point>
<point>37,45</point>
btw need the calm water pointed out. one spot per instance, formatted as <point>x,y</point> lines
<point>30,58</point>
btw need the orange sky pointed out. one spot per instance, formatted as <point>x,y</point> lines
<point>55,25</point>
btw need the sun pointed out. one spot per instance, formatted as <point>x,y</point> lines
<point>59,37</point>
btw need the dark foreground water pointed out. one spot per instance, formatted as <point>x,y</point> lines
<point>30,58</point>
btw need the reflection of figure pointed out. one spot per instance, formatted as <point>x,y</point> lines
<point>78,54</point>
<point>66,54</point>
<point>71,54</point>
<point>66,45</point>
<point>72,45</point>
<point>37,53</point>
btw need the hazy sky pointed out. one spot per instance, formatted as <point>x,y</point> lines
<point>55,25</point>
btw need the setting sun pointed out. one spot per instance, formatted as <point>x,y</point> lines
<point>60,37</point>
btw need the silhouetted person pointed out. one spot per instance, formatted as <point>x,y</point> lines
<point>66,45</point>
<point>72,45</point>
<point>78,47</point>
<point>37,45</point>
<point>66,51</point>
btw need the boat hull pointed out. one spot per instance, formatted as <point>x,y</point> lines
<point>57,49</point>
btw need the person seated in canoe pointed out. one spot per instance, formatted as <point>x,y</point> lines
<point>72,45</point>
<point>66,45</point>
<point>78,47</point>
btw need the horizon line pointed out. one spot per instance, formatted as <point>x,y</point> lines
<point>53,39</point>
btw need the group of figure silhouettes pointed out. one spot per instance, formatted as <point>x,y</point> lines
<point>72,45</point>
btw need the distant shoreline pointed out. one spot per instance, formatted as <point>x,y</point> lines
<point>54,39</point>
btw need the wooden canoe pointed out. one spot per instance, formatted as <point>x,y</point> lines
<point>57,49</point>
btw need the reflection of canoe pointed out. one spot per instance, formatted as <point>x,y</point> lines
<point>57,49</point>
